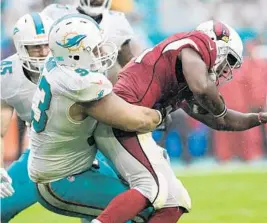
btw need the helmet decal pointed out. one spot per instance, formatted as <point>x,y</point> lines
<point>221,31</point>
<point>15,30</point>
<point>72,41</point>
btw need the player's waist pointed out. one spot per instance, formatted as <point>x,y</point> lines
<point>55,141</point>
<point>44,169</point>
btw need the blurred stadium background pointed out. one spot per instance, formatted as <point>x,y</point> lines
<point>225,173</point>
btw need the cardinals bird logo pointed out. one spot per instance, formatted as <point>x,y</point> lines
<point>221,31</point>
<point>72,41</point>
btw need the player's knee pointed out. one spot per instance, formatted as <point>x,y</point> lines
<point>162,196</point>
<point>155,191</point>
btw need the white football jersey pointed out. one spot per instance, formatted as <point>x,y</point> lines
<point>59,145</point>
<point>115,25</point>
<point>16,89</point>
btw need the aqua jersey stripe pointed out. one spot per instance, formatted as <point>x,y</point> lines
<point>39,26</point>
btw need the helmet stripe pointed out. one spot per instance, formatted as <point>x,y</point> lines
<point>39,26</point>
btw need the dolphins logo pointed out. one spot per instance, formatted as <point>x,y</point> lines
<point>72,43</point>
<point>15,30</point>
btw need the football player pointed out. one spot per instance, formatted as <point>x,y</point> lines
<point>72,94</point>
<point>19,76</point>
<point>114,24</point>
<point>183,71</point>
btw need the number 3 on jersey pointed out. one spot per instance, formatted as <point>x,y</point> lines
<point>39,116</point>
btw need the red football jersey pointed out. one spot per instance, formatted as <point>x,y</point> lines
<point>156,75</point>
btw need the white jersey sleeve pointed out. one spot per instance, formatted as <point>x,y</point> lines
<point>11,69</point>
<point>79,85</point>
<point>91,87</point>
<point>116,27</point>
<point>16,89</point>
<point>56,11</point>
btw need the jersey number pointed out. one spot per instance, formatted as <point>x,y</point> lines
<point>39,116</point>
<point>6,66</point>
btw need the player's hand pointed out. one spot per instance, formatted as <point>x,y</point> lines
<point>5,184</point>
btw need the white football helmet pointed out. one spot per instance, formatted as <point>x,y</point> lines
<point>229,49</point>
<point>30,30</point>
<point>95,7</point>
<point>77,42</point>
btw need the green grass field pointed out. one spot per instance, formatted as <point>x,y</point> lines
<point>229,197</point>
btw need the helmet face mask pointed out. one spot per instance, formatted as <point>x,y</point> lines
<point>33,62</point>
<point>103,56</point>
<point>229,49</point>
<point>95,7</point>
<point>31,31</point>
<point>225,63</point>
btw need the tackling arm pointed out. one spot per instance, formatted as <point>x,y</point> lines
<point>232,121</point>
<point>6,115</point>
<point>198,80</point>
<point>114,111</point>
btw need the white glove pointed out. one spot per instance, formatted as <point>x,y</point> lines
<point>6,188</point>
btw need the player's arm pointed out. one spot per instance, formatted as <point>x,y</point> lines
<point>203,87</point>
<point>125,54</point>
<point>232,121</point>
<point>6,115</point>
<point>114,111</point>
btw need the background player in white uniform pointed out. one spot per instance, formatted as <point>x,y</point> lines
<point>19,75</point>
<point>115,25</point>
<point>72,95</point>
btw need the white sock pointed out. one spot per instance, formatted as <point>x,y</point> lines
<point>96,221</point>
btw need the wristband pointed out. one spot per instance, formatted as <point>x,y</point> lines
<point>224,112</point>
<point>259,117</point>
<point>160,117</point>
